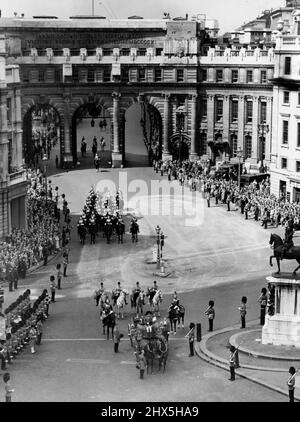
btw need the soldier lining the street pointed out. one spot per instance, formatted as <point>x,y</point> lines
<point>291,383</point>
<point>52,288</point>
<point>232,362</point>
<point>191,337</point>
<point>210,312</point>
<point>8,389</point>
<point>243,311</point>
<point>263,299</point>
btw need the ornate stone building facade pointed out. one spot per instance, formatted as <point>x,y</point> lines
<point>13,182</point>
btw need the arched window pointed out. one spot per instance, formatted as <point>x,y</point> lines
<point>248,146</point>
<point>233,145</point>
<point>203,143</point>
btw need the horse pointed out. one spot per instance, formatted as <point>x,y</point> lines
<point>93,231</point>
<point>120,230</point>
<point>138,301</point>
<point>82,234</point>
<point>134,230</point>
<point>121,301</point>
<point>108,231</point>
<point>174,317</point>
<point>162,353</point>
<point>109,321</point>
<point>292,253</point>
<point>156,300</point>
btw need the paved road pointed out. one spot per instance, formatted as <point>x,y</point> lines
<point>223,258</point>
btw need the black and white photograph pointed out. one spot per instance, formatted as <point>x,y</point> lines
<point>149,204</point>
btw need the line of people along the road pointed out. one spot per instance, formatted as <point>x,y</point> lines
<point>254,200</point>
<point>43,237</point>
<point>103,212</point>
<point>23,326</point>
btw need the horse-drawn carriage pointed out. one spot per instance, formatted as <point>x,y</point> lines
<point>151,336</point>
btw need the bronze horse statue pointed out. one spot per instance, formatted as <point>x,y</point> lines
<point>292,253</point>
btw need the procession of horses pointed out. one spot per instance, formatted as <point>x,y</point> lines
<point>103,212</point>
<point>145,330</point>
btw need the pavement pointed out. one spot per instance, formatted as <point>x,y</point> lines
<point>257,362</point>
<point>223,258</point>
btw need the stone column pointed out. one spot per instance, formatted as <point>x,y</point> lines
<point>210,123</point>
<point>268,135</point>
<point>193,153</point>
<point>3,139</point>
<point>116,156</point>
<point>241,122</point>
<point>166,126</point>
<point>67,120</point>
<point>19,131</point>
<point>255,129</point>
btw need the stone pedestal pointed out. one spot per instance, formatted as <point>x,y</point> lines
<point>283,328</point>
<point>194,157</point>
<point>116,159</point>
<point>166,156</point>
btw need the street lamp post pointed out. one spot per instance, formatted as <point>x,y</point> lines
<point>158,241</point>
<point>262,129</point>
<point>239,155</point>
<point>45,161</point>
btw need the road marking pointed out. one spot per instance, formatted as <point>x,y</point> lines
<point>78,360</point>
<point>99,339</point>
<point>128,362</point>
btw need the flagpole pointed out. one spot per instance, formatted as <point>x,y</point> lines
<point>93,7</point>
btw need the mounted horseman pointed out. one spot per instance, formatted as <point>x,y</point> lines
<point>81,230</point>
<point>120,229</point>
<point>108,229</point>
<point>134,229</point>
<point>286,249</point>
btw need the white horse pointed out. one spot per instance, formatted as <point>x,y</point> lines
<point>121,301</point>
<point>157,299</point>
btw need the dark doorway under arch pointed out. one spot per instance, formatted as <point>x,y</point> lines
<point>179,147</point>
<point>42,135</point>
<point>91,121</point>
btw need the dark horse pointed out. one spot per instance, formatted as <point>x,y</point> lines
<point>120,230</point>
<point>82,234</point>
<point>108,231</point>
<point>292,253</point>
<point>134,230</point>
<point>154,348</point>
<point>108,321</point>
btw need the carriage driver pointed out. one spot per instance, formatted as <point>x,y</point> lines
<point>138,288</point>
<point>155,287</point>
<point>288,240</point>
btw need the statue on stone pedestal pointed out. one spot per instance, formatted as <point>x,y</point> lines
<point>284,250</point>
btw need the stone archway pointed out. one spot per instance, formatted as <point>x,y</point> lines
<point>179,146</point>
<point>42,134</point>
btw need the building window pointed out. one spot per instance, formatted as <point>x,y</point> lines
<point>41,75</point>
<point>159,51</point>
<point>107,51</point>
<point>234,111</point>
<point>298,98</point>
<point>286,97</point>
<point>141,52</point>
<point>234,76</point>
<point>125,52</point>
<point>158,75</point>
<point>57,75</point>
<point>91,75</point>
<point>203,143</point>
<point>248,146</point>
<point>285,132</point>
<point>204,75</point>
<point>203,107</point>
<point>283,163</point>
<point>25,75</point>
<point>233,145</point>
<point>298,135</point>
<point>287,65</point>
<point>298,166</point>
<point>106,74</point>
<point>263,112</point>
<point>219,75</point>
<point>263,77</point>
<point>8,109</point>
<point>180,75</point>
<point>249,76</point>
<point>125,74</point>
<point>249,111</point>
<point>219,110</point>
<point>142,74</point>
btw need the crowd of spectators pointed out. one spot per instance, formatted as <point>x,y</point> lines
<point>23,325</point>
<point>254,200</point>
<point>25,248</point>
